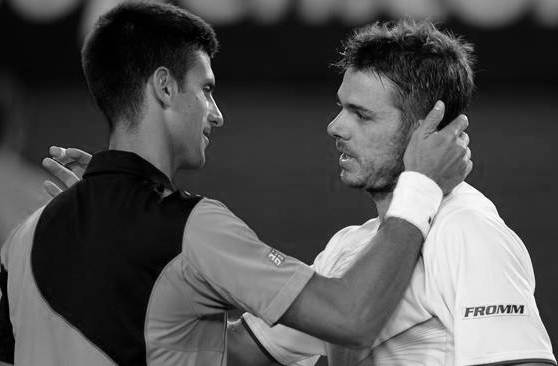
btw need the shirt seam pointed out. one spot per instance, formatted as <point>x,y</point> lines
<point>147,312</point>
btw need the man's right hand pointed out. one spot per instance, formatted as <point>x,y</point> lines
<point>443,156</point>
<point>67,165</point>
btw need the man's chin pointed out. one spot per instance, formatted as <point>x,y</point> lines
<point>193,165</point>
<point>351,181</point>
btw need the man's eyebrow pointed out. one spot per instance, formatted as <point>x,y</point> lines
<point>357,108</point>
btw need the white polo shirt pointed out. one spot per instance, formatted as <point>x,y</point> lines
<point>470,301</point>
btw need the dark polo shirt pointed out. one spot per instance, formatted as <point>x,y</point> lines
<point>123,269</point>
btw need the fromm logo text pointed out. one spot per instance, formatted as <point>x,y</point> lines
<point>493,310</point>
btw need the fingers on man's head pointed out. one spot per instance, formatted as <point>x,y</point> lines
<point>457,126</point>
<point>434,117</point>
<point>78,155</point>
<point>60,171</point>
<point>464,138</point>
<point>69,155</point>
<point>58,153</point>
<point>52,189</point>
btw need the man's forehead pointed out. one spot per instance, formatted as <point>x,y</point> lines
<point>365,87</point>
<point>201,66</point>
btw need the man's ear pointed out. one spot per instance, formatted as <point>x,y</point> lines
<point>164,86</point>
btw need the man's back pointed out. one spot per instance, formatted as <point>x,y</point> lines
<point>84,267</point>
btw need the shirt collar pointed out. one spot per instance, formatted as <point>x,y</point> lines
<point>124,162</point>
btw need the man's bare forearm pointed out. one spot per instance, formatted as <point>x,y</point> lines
<point>352,310</point>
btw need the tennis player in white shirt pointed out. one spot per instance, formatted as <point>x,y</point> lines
<point>471,298</point>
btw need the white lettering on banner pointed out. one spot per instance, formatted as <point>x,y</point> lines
<point>483,13</point>
<point>359,11</point>
<point>546,12</point>
<point>269,11</point>
<point>43,10</point>
<point>317,11</point>
<point>217,11</point>
<point>492,13</point>
<point>416,8</point>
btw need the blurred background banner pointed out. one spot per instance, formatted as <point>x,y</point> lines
<point>272,163</point>
<point>516,40</point>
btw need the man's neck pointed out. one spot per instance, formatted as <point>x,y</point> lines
<point>150,145</point>
<point>382,201</point>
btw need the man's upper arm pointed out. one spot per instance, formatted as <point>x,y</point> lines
<point>485,278</point>
<point>245,273</point>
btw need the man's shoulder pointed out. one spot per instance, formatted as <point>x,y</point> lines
<point>462,210</point>
<point>465,198</point>
<point>212,211</point>
<point>353,234</point>
<point>211,220</point>
<point>468,224</point>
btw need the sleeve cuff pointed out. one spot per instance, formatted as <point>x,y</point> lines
<point>288,293</point>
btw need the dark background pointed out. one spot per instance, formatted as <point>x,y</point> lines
<point>274,165</point>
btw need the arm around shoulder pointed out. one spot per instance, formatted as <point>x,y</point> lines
<point>351,310</point>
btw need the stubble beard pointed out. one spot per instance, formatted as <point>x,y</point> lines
<point>385,178</point>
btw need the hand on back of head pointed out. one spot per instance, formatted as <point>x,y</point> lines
<point>443,156</point>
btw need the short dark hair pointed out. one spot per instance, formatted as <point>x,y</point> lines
<point>129,43</point>
<point>424,63</point>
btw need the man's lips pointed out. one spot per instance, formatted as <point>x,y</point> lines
<point>206,133</point>
<point>344,150</point>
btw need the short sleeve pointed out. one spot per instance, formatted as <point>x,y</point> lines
<point>246,273</point>
<point>484,277</point>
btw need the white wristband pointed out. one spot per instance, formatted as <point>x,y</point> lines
<point>416,199</point>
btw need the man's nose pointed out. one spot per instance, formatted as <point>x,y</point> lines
<point>215,115</point>
<point>336,129</point>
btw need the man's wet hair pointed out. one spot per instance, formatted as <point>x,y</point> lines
<point>424,64</point>
<point>129,43</point>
